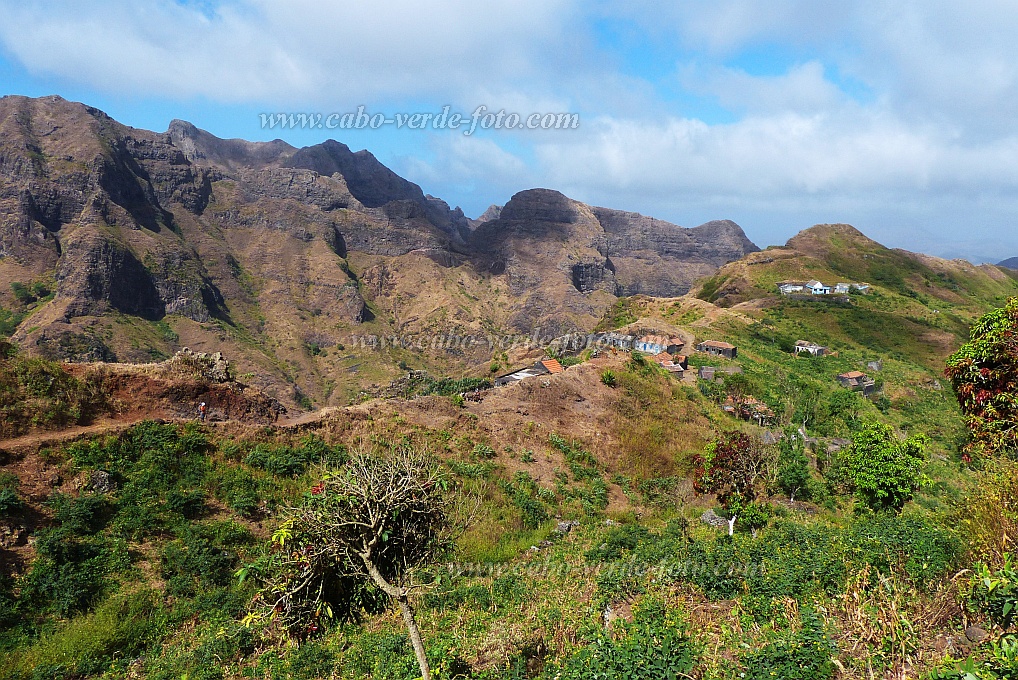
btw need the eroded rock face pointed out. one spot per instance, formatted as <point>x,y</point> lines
<point>96,273</point>
<point>561,255</point>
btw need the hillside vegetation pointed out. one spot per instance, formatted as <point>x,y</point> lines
<point>595,504</point>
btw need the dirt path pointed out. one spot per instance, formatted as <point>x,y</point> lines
<point>38,440</point>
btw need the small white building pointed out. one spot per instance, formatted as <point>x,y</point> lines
<point>817,288</point>
<point>789,288</point>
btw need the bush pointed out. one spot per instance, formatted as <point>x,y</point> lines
<point>804,655</point>
<point>651,648</point>
<point>920,549</point>
<point>793,560</point>
<point>484,452</point>
<point>885,471</point>
<point>793,467</point>
<point>10,502</point>
<point>995,592</point>
<point>619,541</point>
<point>118,630</point>
<point>718,570</point>
<point>195,561</point>
<point>609,378</point>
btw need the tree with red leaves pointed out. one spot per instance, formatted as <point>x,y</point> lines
<point>729,468</point>
<point>984,373</point>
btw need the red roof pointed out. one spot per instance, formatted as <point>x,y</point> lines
<point>852,374</point>
<point>552,365</point>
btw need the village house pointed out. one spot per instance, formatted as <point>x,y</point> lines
<point>667,362</point>
<point>751,409</point>
<point>790,287</point>
<point>811,348</point>
<point>615,340</point>
<point>817,288</point>
<point>655,344</point>
<point>857,381</point>
<point>542,367</point>
<point>711,372</point>
<point>717,348</point>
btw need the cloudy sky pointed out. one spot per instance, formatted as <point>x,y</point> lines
<point>899,118</point>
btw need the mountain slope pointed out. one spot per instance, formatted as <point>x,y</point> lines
<point>128,244</point>
<point>1010,263</point>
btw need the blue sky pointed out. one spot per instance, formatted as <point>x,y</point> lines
<point>899,118</point>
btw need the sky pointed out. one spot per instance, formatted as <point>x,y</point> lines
<point>898,118</point>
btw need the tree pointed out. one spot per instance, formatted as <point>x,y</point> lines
<point>729,468</point>
<point>984,373</point>
<point>793,465</point>
<point>885,471</point>
<point>356,543</point>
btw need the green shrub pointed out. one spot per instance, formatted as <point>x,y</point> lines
<point>804,655</point>
<point>484,452</point>
<point>509,589</point>
<point>716,568</point>
<point>195,561</point>
<point>10,502</point>
<point>618,542</point>
<point>884,470</point>
<point>796,560</point>
<point>793,467</point>
<point>650,648</point>
<point>311,660</point>
<point>1000,662</point>
<point>609,378</point>
<point>920,549</point>
<point>995,592</point>
<point>118,630</point>
<point>70,572</point>
<point>239,490</point>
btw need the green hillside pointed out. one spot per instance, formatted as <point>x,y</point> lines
<point>586,554</point>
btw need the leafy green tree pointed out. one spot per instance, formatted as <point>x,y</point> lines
<point>793,466</point>
<point>984,373</point>
<point>885,471</point>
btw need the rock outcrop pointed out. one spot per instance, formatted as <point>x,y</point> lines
<point>561,255</point>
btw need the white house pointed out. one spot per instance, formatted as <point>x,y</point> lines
<point>842,288</point>
<point>817,288</point>
<point>788,288</point>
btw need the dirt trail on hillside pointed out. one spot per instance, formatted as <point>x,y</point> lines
<point>40,440</point>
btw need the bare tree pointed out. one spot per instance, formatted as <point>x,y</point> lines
<point>375,522</point>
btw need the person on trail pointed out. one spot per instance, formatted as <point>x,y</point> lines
<point>201,411</point>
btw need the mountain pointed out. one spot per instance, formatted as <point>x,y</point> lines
<point>126,244</point>
<point>1010,263</point>
<point>598,254</point>
<point>917,304</point>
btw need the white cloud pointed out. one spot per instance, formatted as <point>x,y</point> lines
<point>930,146</point>
<point>302,51</point>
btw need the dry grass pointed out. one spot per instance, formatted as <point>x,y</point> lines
<point>890,629</point>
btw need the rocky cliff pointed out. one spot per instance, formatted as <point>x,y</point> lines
<point>136,242</point>
<point>566,259</point>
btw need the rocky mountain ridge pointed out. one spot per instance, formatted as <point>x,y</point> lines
<point>147,241</point>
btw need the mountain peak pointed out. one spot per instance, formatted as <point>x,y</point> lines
<point>825,238</point>
<point>199,145</point>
